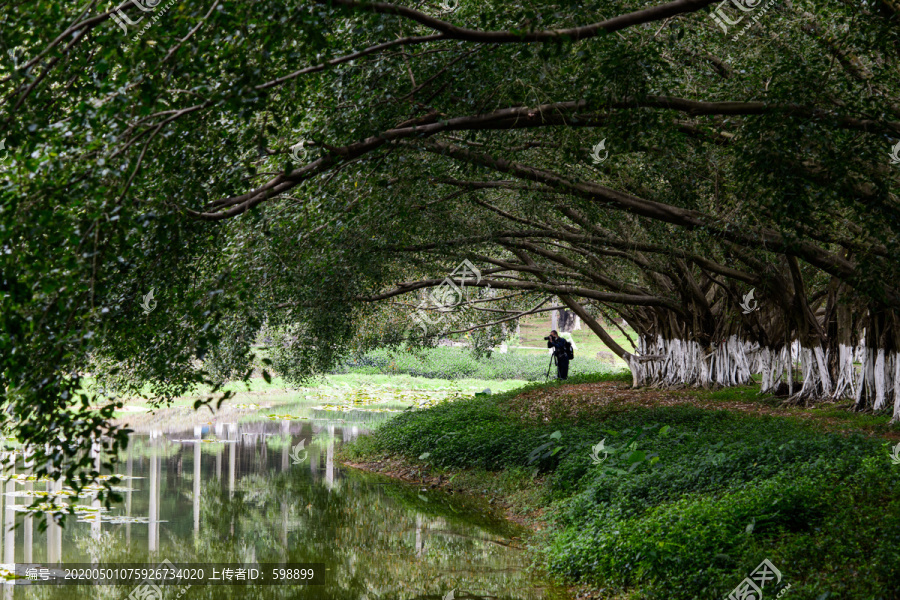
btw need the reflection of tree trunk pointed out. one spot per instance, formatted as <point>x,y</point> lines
<point>420,541</point>
<point>286,435</point>
<point>9,552</point>
<point>29,523</point>
<point>129,469</point>
<point>96,524</point>
<point>263,461</point>
<point>154,508</point>
<point>284,527</point>
<point>50,526</point>
<point>197,459</point>
<point>54,531</point>
<point>232,451</point>
<point>313,456</point>
<point>329,459</point>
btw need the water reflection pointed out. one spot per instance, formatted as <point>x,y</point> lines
<point>231,492</point>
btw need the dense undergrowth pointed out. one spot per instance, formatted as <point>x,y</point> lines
<point>684,503</point>
<point>460,363</point>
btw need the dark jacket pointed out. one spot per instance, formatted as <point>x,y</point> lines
<point>560,348</point>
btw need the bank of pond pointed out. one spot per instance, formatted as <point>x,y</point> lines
<point>672,502</point>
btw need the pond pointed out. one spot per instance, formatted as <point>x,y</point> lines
<point>264,492</point>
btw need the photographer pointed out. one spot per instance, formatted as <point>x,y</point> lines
<point>560,353</point>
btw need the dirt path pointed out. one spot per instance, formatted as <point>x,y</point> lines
<point>598,400</point>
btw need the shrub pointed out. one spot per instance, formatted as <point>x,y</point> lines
<point>460,363</point>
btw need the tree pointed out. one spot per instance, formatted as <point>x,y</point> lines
<point>168,157</point>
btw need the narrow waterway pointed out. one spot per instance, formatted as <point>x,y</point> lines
<point>260,492</point>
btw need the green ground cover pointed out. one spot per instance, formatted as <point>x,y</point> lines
<point>682,502</point>
<point>454,363</point>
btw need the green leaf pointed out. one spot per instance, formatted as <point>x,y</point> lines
<point>636,457</point>
<point>424,455</point>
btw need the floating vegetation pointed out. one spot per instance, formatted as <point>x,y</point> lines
<point>48,507</point>
<point>23,478</point>
<point>210,440</point>
<point>247,406</point>
<point>285,417</point>
<point>90,518</point>
<point>337,408</point>
<point>63,493</point>
<point>62,507</point>
<point>114,519</point>
<point>66,492</point>
<point>122,520</point>
<point>364,399</point>
<point>93,487</point>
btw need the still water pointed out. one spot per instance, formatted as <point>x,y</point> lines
<point>251,493</point>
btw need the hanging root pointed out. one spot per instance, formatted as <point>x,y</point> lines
<point>875,385</point>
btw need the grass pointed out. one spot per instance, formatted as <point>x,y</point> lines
<point>454,363</point>
<point>533,329</point>
<point>442,368</point>
<point>691,509</point>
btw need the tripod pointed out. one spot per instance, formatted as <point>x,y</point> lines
<point>552,360</point>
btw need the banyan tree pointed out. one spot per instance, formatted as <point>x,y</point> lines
<point>315,167</point>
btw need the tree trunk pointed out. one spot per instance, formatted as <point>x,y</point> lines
<point>566,320</point>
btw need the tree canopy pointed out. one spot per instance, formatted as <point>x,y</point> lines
<point>312,167</point>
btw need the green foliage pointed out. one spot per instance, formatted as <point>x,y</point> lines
<point>725,492</point>
<point>460,363</point>
<point>116,145</point>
